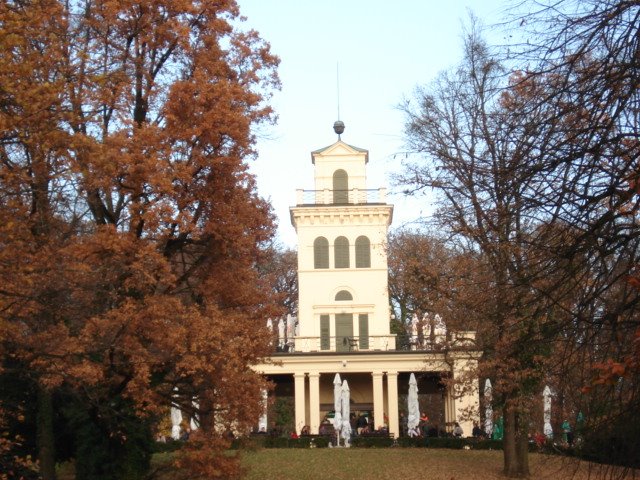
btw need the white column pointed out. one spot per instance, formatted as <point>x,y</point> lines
<point>300,403</point>
<point>449,413</point>
<point>392,401</point>
<point>378,399</point>
<point>314,402</point>
<point>467,394</point>
<point>263,424</point>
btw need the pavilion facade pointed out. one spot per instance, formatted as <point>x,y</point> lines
<point>343,323</point>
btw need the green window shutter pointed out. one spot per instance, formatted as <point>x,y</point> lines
<point>325,333</point>
<point>363,331</point>
<point>363,252</point>
<point>321,253</point>
<point>340,187</point>
<point>341,252</point>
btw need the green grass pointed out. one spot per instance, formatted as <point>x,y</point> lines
<point>394,463</point>
<point>389,463</point>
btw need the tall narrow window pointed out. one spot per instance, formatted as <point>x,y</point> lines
<point>341,252</point>
<point>340,187</point>
<point>321,253</point>
<point>344,331</point>
<point>325,337</point>
<point>363,331</point>
<point>363,252</point>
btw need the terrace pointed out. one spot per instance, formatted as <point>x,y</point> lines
<point>376,343</point>
<point>355,196</point>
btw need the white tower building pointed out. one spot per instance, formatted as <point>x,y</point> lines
<point>342,262</point>
<point>344,314</point>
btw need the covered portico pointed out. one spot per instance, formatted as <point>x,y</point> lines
<point>373,379</point>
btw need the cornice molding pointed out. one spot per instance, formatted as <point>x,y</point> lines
<point>345,215</point>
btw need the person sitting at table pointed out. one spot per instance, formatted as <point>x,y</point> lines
<point>305,431</point>
<point>361,423</point>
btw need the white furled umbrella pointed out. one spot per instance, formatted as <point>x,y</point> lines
<point>176,420</point>
<point>488,408</point>
<point>270,325</point>
<point>337,405</point>
<point>346,413</point>
<point>413,408</point>
<point>262,421</point>
<point>546,398</point>
<point>439,328</point>
<point>290,327</point>
<point>281,332</point>
<point>195,420</point>
<point>426,325</point>
<point>414,331</point>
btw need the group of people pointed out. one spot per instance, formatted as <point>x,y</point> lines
<point>426,428</point>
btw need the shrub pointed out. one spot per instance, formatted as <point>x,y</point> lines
<point>321,442</point>
<point>413,442</point>
<point>371,442</point>
<point>170,445</point>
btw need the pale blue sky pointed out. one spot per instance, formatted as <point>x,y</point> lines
<point>384,51</point>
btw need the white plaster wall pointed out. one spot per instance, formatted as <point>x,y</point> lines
<point>340,156</point>
<point>318,287</point>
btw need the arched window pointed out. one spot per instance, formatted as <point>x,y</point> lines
<point>363,252</point>
<point>321,253</point>
<point>341,252</point>
<point>340,187</point>
<point>343,295</point>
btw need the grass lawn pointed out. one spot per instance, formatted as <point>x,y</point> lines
<point>398,463</point>
<point>393,464</point>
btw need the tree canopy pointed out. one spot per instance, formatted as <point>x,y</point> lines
<point>131,226</point>
<point>536,170</point>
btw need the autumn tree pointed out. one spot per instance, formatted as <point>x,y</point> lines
<point>536,169</point>
<point>428,274</point>
<point>475,151</point>
<point>590,51</point>
<point>131,228</point>
<point>280,271</point>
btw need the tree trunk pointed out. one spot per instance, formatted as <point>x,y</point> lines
<point>509,442</point>
<point>515,445</point>
<point>45,440</point>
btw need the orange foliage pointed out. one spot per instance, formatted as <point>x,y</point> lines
<point>131,227</point>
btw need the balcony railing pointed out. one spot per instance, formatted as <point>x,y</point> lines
<point>456,340</point>
<point>354,196</point>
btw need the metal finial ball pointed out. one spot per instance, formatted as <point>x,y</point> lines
<point>338,127</point>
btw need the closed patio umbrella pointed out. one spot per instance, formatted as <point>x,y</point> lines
<point>337,405</point>
<point>546,398</point>
<point>290,327</point>
<point>413,408</point>
<point>439,329</point>
<point>281,333</point>
<point>488,408</point>
<point>176,420</point>
<point>414,332</point>
<point>346,413</point>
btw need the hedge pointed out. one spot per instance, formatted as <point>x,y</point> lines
<point>264,441</point>
<point>371,442</point>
